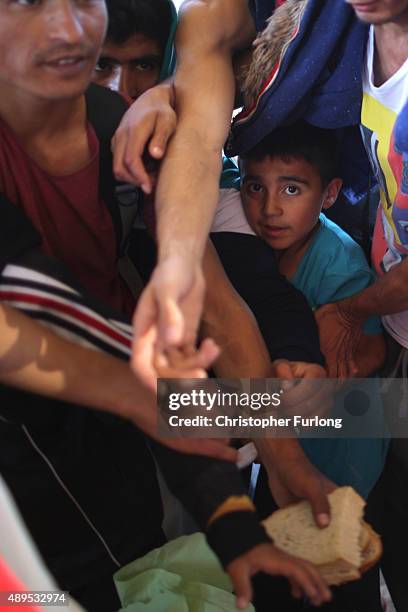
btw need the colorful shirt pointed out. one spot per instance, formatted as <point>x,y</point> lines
<point>381,106</point>
<point>334,267</point>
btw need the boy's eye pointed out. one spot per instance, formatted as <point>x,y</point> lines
<point>254,188</point>
<point>291,190</point>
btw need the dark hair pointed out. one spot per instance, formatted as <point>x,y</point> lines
<point>152,18</point>
<point>301,140</point>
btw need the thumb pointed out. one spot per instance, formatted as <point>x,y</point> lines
<point>241,581</point>
<point>171,323</point>
<point>320,504</point>
<point>283,370</point>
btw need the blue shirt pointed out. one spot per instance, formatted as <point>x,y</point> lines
<point>334,267</point>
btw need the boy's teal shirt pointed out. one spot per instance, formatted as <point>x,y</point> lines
<point>334,267</point>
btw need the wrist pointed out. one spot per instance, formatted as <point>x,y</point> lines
<point>129,399</point>
<point>179,251</point>
<point>352,311</point>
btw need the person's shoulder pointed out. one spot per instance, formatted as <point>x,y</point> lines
<point>339,246</point>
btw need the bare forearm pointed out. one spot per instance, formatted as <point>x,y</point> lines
<point>35,359</point>
<point>187,193</point>
<point>243,354</point>
<point>388,295</point>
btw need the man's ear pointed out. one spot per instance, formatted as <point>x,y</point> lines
<point>331,193</point>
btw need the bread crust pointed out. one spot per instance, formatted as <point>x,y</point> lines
<point>345,567</point>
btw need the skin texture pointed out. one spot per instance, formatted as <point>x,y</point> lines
<point>131,67</point>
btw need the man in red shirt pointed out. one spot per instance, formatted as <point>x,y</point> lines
<point>49,152</point>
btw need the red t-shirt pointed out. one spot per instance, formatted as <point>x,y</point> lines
<point>73,221</point>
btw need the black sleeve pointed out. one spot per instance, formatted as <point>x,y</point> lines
<point>284,317</point>
<point>17,234</point>
<point>202,485</point>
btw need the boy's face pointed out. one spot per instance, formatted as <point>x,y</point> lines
<point>48,48</point>
<point>283,199</point>
<point>131,67</point>
<point>378,12</point>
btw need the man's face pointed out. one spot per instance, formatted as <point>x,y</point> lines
<point>378,12</point>
<point>48,48</point>
<point>131,67</point>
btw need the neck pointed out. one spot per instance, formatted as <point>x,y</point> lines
<point>391,48</point>
<point>31,118</point>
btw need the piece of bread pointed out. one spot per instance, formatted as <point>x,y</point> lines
<point>340,551</point>
<point>372,550</point>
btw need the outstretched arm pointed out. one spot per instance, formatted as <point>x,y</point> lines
<point>35,359</point>
<point>209,32</point>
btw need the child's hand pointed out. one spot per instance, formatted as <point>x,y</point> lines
<point>186,362</point>
<point>303,577</point>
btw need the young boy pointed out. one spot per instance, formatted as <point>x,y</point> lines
<point>286,181</point>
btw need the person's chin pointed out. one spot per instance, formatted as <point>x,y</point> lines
<point>277,243</point>
<point>369,13</point>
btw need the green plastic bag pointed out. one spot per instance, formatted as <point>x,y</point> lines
<point>184,575</point>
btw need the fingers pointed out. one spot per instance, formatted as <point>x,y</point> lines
<point>128,148</point>
<point>319,502</point>
<point>190,358</point>
<point>282,369</point>
<point>295,589</point>
<point>164,129</point>
<point>144,341</point>
<point>308,579</point>
<point>142,361</point>
<point>240,577</point>
<point>171,323</point>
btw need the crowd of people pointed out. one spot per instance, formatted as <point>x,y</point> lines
<point>150,229</point>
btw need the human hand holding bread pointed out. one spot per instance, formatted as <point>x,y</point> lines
<point>292,477</point>
<point>341,551</point>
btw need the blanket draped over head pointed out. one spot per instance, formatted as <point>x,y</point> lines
<point>307,63</point>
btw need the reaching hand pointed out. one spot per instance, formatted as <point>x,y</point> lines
<point>301,480</point>
<point>293,477</point>
<point>168,315</point>
<point>340,334</point>
<point>303,577</point>
<point>186,362</point>
<point>147,126</point>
